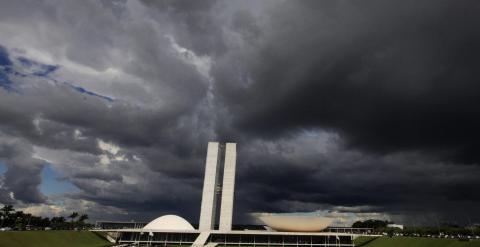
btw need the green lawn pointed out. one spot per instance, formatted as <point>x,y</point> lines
<point>51,239</point>
<point>90,239</point>
<point>363,240</point>
<point>414,242</point>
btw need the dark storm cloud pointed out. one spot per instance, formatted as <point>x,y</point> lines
<point>387,75</point>
<point>153,134</point>
<point>66,125</point>
<point>196,26</point>
<point>22,178</point>
<point>396,80</point>
<point>308,179</point>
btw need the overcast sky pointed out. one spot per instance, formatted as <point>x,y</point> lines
<point>364,108</point>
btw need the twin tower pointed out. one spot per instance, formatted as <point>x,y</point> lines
<point>211,186</point>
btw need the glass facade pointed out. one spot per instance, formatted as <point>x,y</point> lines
<point>232,239</point>
<point>261,240</point>
<point>159,238</point>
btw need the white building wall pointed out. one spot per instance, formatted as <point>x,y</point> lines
<point>226,206</point>
<point>208,207</point>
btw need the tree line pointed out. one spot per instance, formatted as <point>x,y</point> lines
<point>380,226</point>
<point>18,220</point>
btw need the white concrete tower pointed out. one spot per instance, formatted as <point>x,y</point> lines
<point>209,195</point>
<point>228,187</point>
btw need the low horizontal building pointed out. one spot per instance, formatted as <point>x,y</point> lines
<point>237,238</point>
<point>119,224</point>
<point>174,230</point>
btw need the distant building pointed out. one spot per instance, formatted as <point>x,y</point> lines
<point>119,224</point>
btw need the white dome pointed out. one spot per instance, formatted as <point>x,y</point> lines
<point>169,222</point>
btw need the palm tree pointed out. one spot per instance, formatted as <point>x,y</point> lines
<point>58,222</point>
<point>73,216</point>
<point>83,217</point>
<point>60,219</point>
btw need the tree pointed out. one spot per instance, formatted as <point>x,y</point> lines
<point>375,224</point>
<point>58,222</point>
<point>5,215</point>
<point>17,219</point>
<point>6,209</point>
<point>83,217</point>
<point>73,216</point>
<point>60,219</point>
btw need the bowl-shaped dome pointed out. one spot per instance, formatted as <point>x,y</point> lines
<point>169,222</point>
<point>295,223</point>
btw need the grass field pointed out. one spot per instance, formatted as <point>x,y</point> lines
<point>413,242</point>
<point>51,239</point>
<point>89,239</point>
